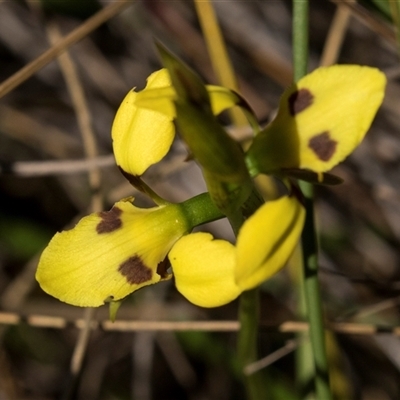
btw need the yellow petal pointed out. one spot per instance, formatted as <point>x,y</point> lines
<point>162,99</point>
<point>203,269</point>
<point>141,137</point>
<point>321,119</point>
<point>109,255</point>
<point>266,241</point>
<point>221,98</point>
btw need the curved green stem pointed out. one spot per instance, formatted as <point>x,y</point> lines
<point>201,209</point>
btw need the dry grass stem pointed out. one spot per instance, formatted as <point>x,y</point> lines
<point>45,321</point>
<point>33,133</point>
<point>264,362</point>
<point>82,342</point>
<point>60,167</point>
<point>336,34</point>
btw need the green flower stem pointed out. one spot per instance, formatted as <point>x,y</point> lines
<point>200,210</point>
<point>310,285</point>
<point>247,343</point>
<point>300,39</point>
<point>313,298</point>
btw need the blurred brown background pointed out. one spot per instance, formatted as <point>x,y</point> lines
<point>63,114</point>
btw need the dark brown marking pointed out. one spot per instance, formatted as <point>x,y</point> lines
<point>110,220</point>
<point>134,180</point>
<point>299,101</point>
<point>135,271</point>
<point>323,146</point>
<point>162,268</point>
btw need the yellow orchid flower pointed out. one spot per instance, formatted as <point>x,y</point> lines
<point>108,255</point>
<point>212,273</point>
<point>143,135</point>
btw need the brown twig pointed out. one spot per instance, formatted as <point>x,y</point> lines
<point>60,167</point>
<point>45,321</point>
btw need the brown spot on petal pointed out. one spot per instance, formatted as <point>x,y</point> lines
<point>110,220</point>
<point>299,101</point>
<point>132,179</point>
<point>135,271</point>
<point>323,146</point>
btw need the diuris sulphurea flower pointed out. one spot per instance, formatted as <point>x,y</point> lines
<point>108,255</point>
